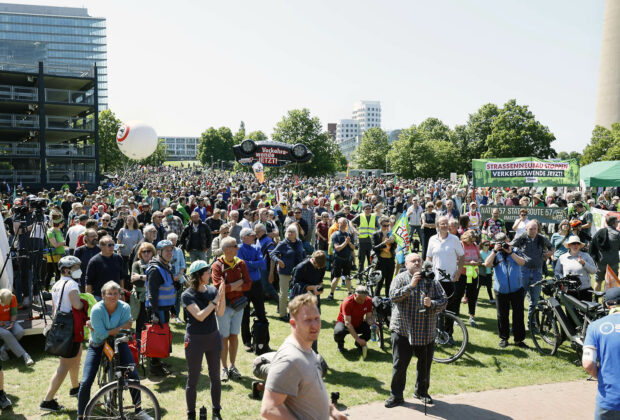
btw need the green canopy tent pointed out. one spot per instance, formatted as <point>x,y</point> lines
<point>601,174</point>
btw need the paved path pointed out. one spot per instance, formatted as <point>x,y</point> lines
<point>560,401</point>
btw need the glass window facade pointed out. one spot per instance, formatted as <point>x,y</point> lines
<point>66,39</point>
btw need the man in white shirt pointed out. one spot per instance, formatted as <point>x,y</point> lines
<point>75,231</point>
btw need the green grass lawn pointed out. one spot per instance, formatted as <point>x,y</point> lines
<point>484,366</point>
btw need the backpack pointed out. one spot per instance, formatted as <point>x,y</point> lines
<point>260,337</point>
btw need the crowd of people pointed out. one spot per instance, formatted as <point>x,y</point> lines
<point>207,249</point>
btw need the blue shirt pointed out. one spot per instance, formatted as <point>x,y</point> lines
<point>253,259</point>
<point>178,262</point>
<point>604,335</point>
<point>291,253</point>
<point>507,274</point>
<point>102,322</point>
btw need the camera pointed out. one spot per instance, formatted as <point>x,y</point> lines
<point>38,203</point>
<point>505,246</point>
<point>427,273</point>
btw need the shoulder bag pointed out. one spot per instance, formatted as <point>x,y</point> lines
<point>59,339</point>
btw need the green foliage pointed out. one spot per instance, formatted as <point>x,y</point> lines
<point>216,144</point>
<point>570,155</point>
<point>417,154</point>
<point>471,138</point>
<point>373,149</point>
<point>240,135</point>
<point>298,126</point>
<point>604,145</point>
<point>110,157</point>
<point>516,132</point>
<point>257,136</point>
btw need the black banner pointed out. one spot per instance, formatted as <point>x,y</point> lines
<point>542,214</point>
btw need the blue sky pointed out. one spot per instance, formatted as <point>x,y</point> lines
<point>184,66</point>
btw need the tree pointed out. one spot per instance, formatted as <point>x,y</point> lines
<point>401,156</point>
<point>516,132</point>
<point>298,126</point>
<point>257,136</point>
<point>159,156</point>
<point>240,135</point>
<point>373,149</point>
<point>604,145</point>
<point>110,157</point>
<point>471,138</point>
<point>570,155</point>
<point>215,145</point>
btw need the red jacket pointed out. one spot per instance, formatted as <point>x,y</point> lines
<point>222,271</point>
<point>80,316</point>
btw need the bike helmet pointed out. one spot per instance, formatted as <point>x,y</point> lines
<point>68,262</point>
<point>374,276</point>
<point>163,244</point>
<point>197,266</point>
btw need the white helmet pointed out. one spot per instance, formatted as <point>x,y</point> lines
<point>375,276</point>
<point>68,262</point>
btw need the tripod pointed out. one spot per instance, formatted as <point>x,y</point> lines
<point>36,252</point>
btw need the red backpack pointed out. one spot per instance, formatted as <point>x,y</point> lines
<point>156,341</point>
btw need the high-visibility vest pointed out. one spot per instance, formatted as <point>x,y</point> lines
<point>367,227</point>
<point>167,292</point>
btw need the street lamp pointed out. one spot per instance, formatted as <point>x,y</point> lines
<point>211,161</point>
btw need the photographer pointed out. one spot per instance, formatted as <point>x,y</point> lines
<point>414,326</point>
<point>508,290</point>
<point>22,225</point>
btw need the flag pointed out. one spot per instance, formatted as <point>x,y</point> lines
<point>79,187</point>
<point>14,194</point>
<point>611,279</point>
<point>8,187</point>
<point>296,180</point>
<point>347,170</point>
<point>464,182</point>
<point>258,171</point>
<point>400,231</point>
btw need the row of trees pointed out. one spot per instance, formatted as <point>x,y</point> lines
<point>432,149</point>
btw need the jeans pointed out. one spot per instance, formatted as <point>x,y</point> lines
<point>530,276</point>
<point>601,413</point>
<point>268,287</point>
<point>91,366</point>
<point>401,356</point>
<point>11,338</point>
<point>197,254</point>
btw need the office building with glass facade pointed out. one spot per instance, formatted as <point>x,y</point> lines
<point>181,148</point>
<point>66,40</point>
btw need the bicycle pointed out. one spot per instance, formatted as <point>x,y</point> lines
<point>381,307</point>
<point>562,316</point>
<point>109,401</point>
<point>449,347</point>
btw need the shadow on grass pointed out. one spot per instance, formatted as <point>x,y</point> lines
<point>8,413</point>
<point>349,379</point>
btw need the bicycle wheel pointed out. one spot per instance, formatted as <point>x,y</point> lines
<point>545,330</point>
<point>445,351</point>
<point>99,406</point>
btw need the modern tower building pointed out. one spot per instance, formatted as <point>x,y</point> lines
<point>66,40</point>
<point>608,101</point>
<point>366,114</point>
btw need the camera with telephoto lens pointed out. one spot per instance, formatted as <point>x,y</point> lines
<point>38,203</point>
<point>505,246</point>
<point>427,273</point>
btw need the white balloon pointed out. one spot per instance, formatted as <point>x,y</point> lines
<point>136,140</point>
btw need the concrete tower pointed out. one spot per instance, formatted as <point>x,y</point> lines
<point>608,101</point>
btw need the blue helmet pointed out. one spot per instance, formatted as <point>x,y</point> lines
<point>163,244</point>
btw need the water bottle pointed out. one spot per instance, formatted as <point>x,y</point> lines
<point>203,413</point>
<point>373,332</point>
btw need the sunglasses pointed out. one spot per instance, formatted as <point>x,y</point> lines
<point>386,225</point>
<point>110,245</point>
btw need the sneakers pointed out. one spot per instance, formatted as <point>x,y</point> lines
<point>522,345</point>
<point>473,322</point>
<point>393,401</point>
<point>4,401</point>
<point>364,352</point>
<point>51,405</point>
<point>178,320</point>
<point>330,297</point>
<point>492,301</point>
<point>426,399</point>
<point>142,415</point>
<point>73,392</point>
<point>224,375</point>
<point>503,343</point>
<point>4,356</point>
<point>234,373</point>
<point>28,360</point>
<point>216,415</point>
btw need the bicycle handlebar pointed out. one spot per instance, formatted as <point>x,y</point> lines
<point>569,280</point>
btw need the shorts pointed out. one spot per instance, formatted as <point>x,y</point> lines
<point>74,350</point>
<point>341,267</point>
<point>230,322</point>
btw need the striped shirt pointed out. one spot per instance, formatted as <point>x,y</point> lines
<point>406,320</point>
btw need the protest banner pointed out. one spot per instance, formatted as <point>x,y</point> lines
<point>525,171</point>
<point>542,214</point>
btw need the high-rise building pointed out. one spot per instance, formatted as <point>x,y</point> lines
<point>181,148</point>
<point>349,132</point>
<point>608,101</point>
<point>67,40</point>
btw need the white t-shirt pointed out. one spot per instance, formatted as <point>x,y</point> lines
<point>65,305</point>
<point>445,254</point>
<point>73,233</point>
<point>520,230</point>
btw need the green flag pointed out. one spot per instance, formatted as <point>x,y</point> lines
<point>464,182</point>
<point>400,231</point>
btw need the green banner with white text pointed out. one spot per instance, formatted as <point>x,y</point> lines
<point>525,171</point>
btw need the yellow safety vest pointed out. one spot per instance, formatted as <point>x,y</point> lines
<point>367,227</point>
